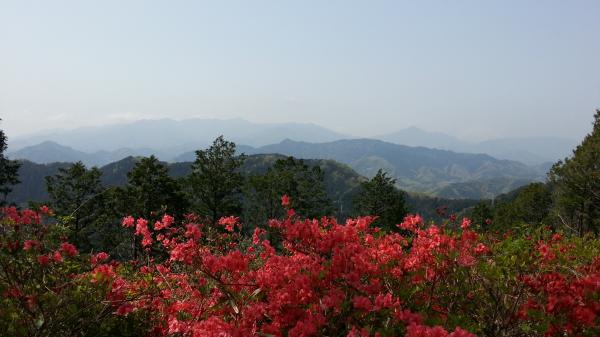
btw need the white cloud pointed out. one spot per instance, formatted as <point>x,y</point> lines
<point>57,117</point>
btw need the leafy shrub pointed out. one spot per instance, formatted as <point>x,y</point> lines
<point>324,278</point>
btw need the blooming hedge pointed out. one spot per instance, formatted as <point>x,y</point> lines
<point>312,278</point>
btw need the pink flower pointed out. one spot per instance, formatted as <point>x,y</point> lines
<point>46,210</point>
<point>362,303</point>
<point>166,222</point>
<point>30,244</point>
<point>285,200</point>
<point>43,260</point>
<point>481,249</point>
<point>68,249</point>
<point>128,221</point>
<point>57,257</point>
<point>229,222</point>
<point>193,231</point>
<point>141,228</point>
<point>100,257</point>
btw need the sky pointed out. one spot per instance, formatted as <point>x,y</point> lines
<point>473,69</point>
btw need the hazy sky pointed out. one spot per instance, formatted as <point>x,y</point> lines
<point>475,69</point>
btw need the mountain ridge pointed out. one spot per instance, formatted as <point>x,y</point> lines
<point>180,135</point>
<point>169,136</point>
<point>528,150</point>
<point>341,182</point>
<point>417,169</point>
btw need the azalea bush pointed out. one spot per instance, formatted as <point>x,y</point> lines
<point>304,277</point>
<point>47,288</point>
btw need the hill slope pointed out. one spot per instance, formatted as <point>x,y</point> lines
<point>415,168</point>
<point>52,152</point>
<point>341,182</point>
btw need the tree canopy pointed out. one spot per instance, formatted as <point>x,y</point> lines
<point>576,185</point>
<point>381,198</point>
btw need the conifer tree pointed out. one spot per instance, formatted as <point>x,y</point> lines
<point>150,191</point>
<point>73,192</point>
<point>531,206</point>
<point>292,177</point>
<point>8,170</point>
<point>576,185</point>
<point>381,198</point>
<point>215,183</point>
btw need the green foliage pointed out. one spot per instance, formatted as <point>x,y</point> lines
<point>214,185</point>
<point>303,184</point>
<point>8,170</point>
<point>150,191</point>
<point>531,206</point>
<point>526,207</point>
<point>481,215</point>
<point>72,192</point>
<point>576,183</point>
<point>420,169</point>
<point>437,209</point>
<point>380,197</point>
<point>76,194</point>
<point>45,298</point>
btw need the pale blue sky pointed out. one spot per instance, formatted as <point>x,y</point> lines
<point>475,69</point>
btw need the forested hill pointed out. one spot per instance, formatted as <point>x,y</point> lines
<point>420,169</point>
<point>341,182</point>
<point>424,170</point>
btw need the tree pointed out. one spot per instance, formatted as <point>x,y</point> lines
<point>531,206</point>
<point>380,197</point>
<point>481,215</point>
<point>73,192</point>
<point>8,170</point>
<point>292,177</point>
<point>215,183</point>
<point>151,192</point>
<point>576,185</point>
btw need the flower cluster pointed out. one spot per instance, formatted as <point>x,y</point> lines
<point>323,278</point>
<point>309,277</point>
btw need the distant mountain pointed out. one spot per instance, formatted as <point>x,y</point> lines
<point>52,152</point>
<point>33,185</point>
<point>175,137</point>
<point>481,189</point>
<point>418,169</point>
<point>415,168</point>
<point>414,136</point>
<point>341,183</point>
<point>530,150</point>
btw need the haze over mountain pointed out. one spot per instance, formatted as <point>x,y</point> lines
<point>52,152</point>
<point>528,150</point>
<point>174,137</point>
<point>169,139</point>
<point>417,169</point>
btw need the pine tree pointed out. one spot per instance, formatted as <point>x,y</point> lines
<point>380,197</point>
<point>73,191</point>
<point>292,177</point>
<point>150,191</point>
<point>215,183</point>
<point>576,185</point>
<point>530,207</point>
<point>8,170</point>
